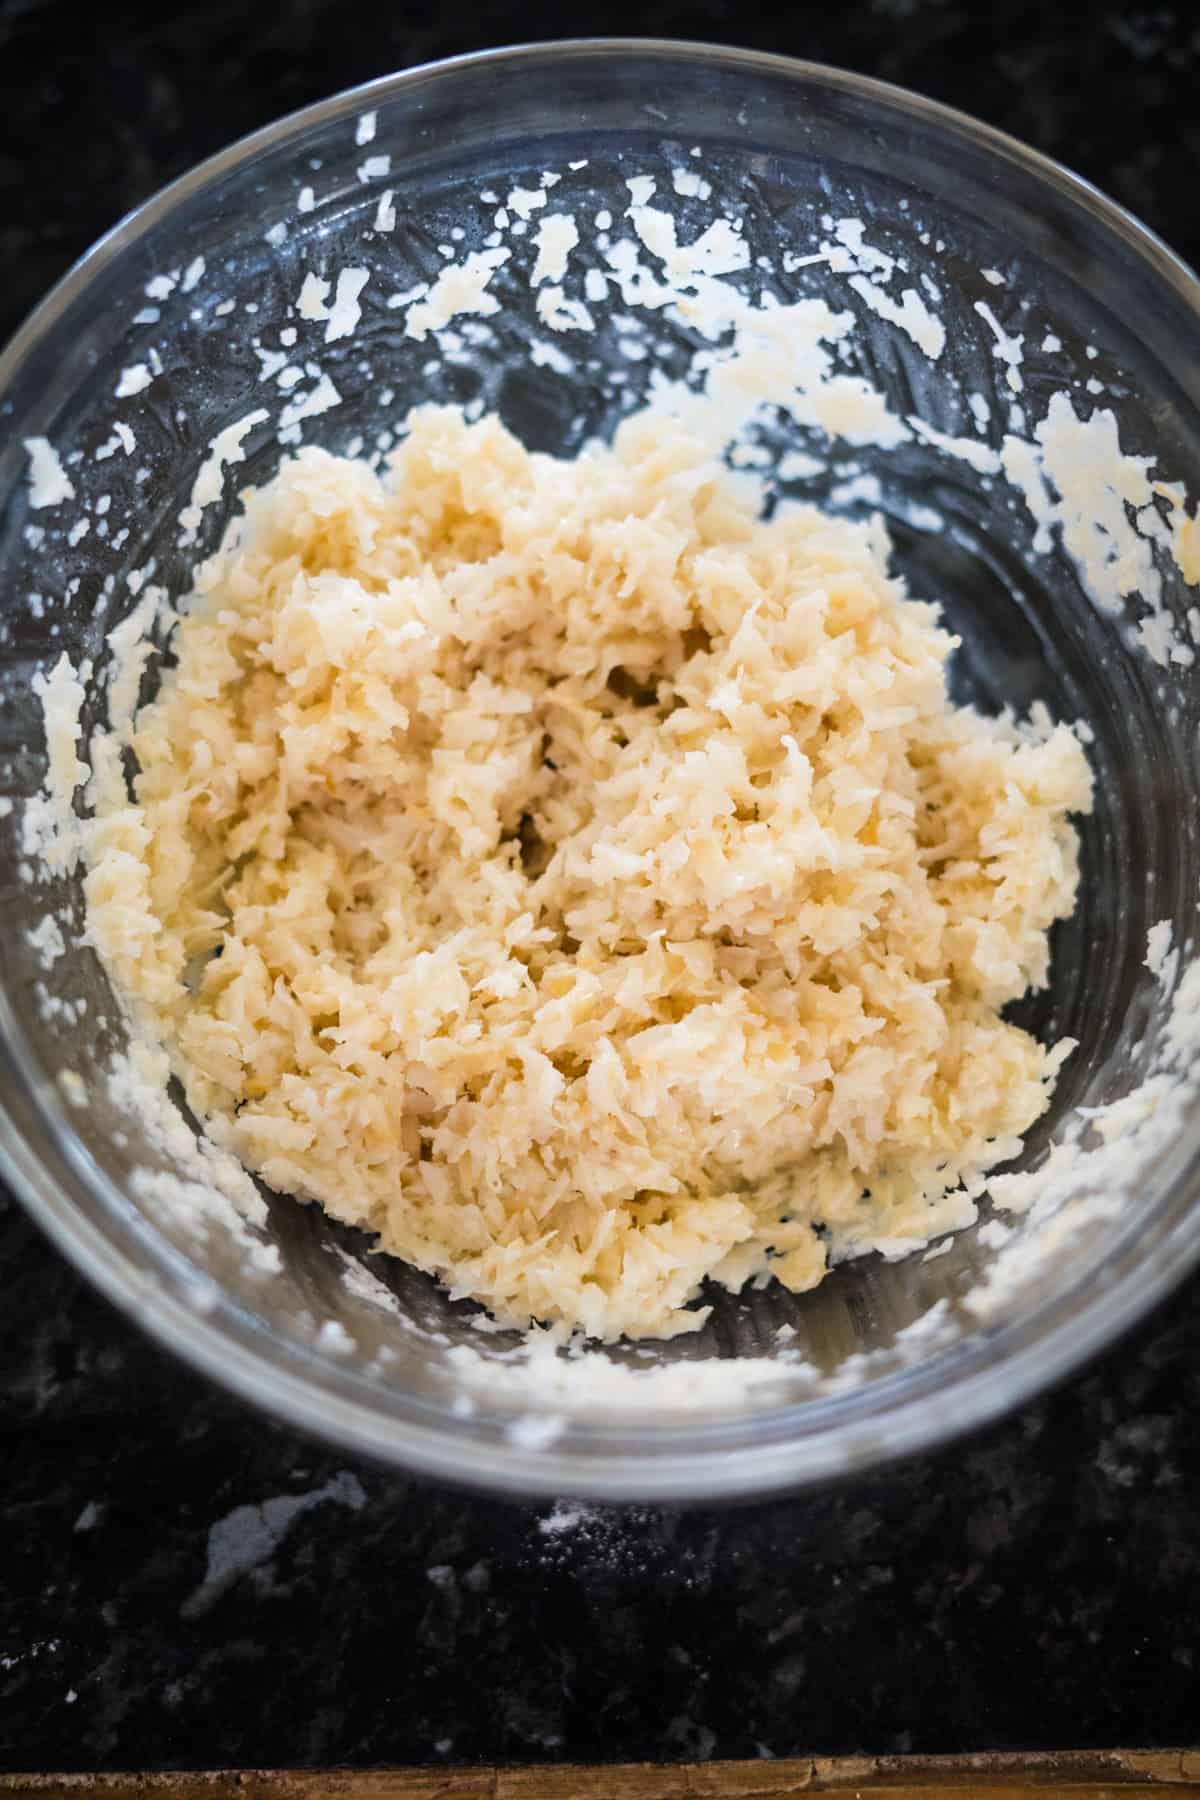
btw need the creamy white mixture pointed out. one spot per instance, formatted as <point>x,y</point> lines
<point>580,883</point>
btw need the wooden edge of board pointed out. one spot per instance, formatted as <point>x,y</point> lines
<point>1084,1774</point>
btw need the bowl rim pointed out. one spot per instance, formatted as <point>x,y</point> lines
<point>1061,1332</point>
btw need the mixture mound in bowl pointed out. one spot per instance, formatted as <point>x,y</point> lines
<point>582,883</point>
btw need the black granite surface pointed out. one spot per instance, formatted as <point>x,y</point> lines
<point>182,1584</point>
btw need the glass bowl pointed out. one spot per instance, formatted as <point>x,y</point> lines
<point>184,321</point>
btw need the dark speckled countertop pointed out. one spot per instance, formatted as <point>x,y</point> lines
<point>184,1585</point>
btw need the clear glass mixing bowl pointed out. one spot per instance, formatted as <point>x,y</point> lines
<point>184,307</point>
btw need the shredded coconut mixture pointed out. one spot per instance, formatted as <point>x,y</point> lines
<point>580,882</point>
